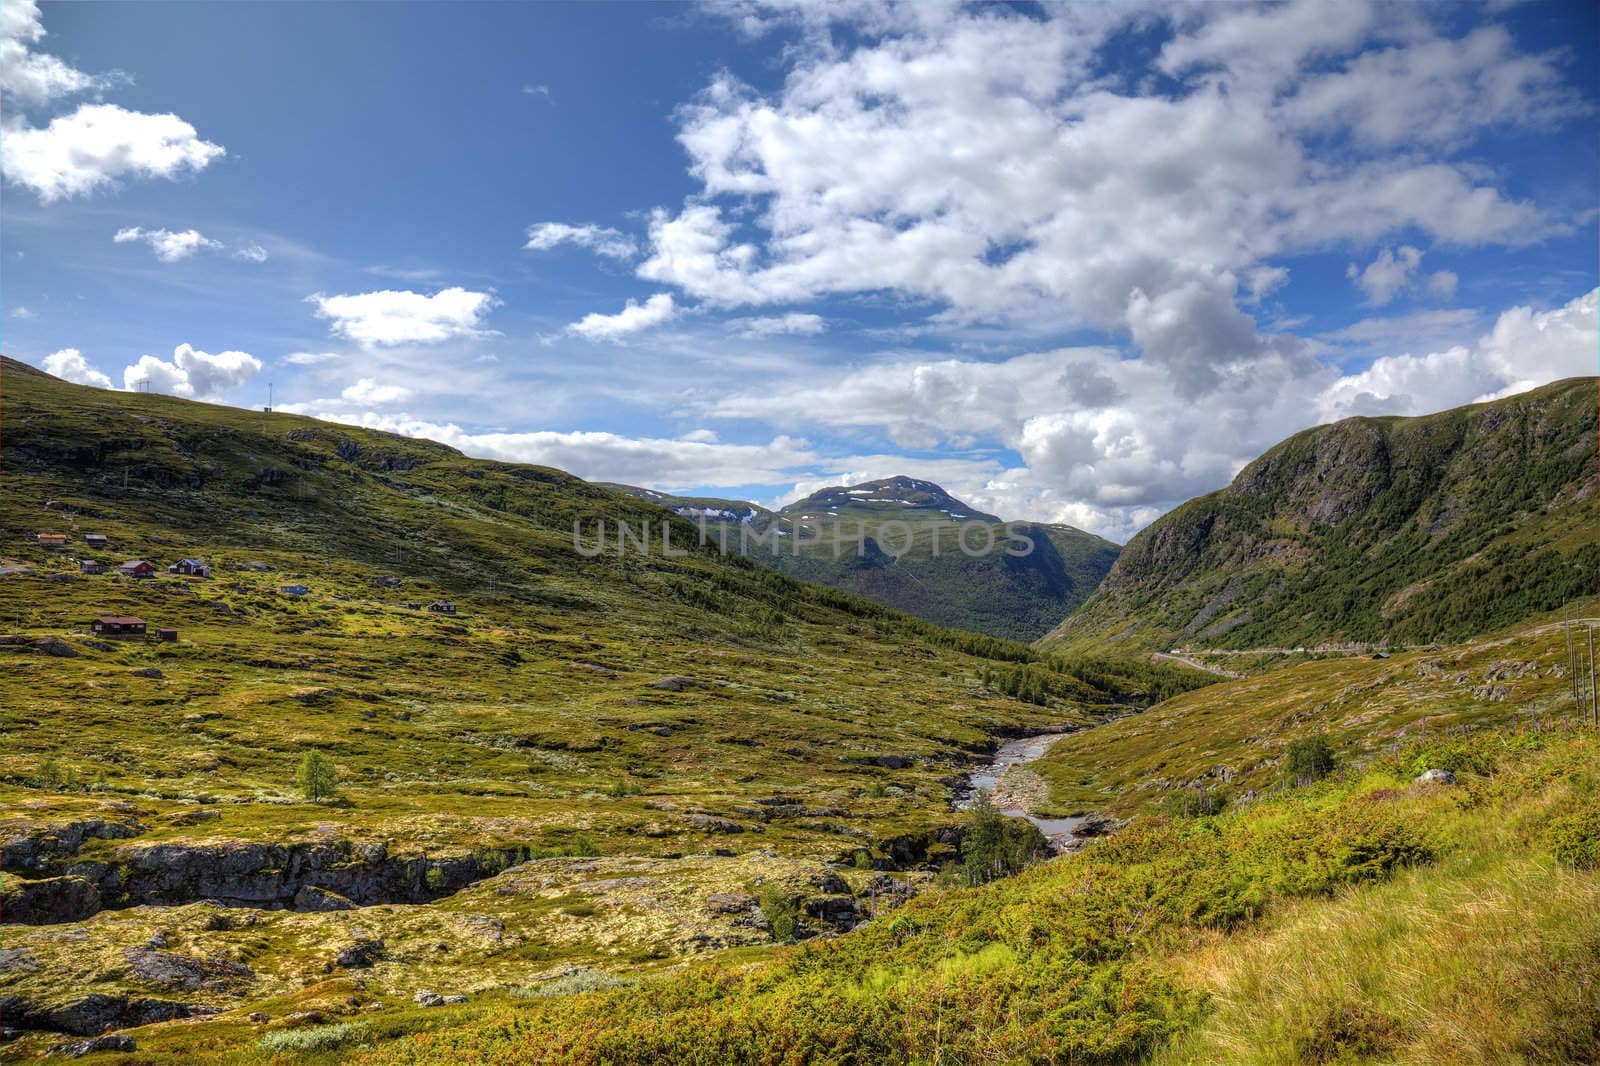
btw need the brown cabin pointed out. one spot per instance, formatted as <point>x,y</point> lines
<point>53,540</point>
<point>116,625</point>
<point>442,607</point>
<point>136,568</point>
<point>190,568</point>
<point>167,633</point>
<point>91,566</point>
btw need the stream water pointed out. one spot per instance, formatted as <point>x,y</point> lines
<point>1016,753</point>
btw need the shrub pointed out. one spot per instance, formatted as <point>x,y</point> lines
<point>1310,758</point>
<point>574,983</point>
<point>320,1038</point>
<point>49,775</point>
<point>783,917</point>
<point>995,846</point>
<point>1575,839</point>
<point>316,777</point>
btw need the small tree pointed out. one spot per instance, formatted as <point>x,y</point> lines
<point>783,917</point>
<point>995,846</point>
<point>316,777</point>
<point>1310,758</point>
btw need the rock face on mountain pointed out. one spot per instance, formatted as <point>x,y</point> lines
<point>909,544</point>
<point>1402,529</point>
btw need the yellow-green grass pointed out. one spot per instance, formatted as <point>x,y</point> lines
<point>1229,738</point>
<point>1369,920</point>
<point>1489,955</point>
<point>634,708</point>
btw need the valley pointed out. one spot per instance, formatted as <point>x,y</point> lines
<point>589,807</point>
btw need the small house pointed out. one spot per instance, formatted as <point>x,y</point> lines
<point>91,566</point>
<point>136,568</point>
<point>190,568</point>
<point>52,540</point>
<point>116,625</point>
<point>442,607</point>
<point>167,633</point>
<point>95,540</point>
<point>293,590</point>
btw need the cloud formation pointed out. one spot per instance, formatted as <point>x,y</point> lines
<point>602,240</point>
<point>191,373</point>
<point>1024,182</point>
<point>795,323</point>
<point>631,319</point>
<point>27,76</point>
<point>169,247</point>
<point>69,365</point>
<point>391,317</point>
<point>97,146</point>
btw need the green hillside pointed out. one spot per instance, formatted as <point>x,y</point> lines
<point>661,738</point>
<point>1384,530</point>
<point>897,541</point>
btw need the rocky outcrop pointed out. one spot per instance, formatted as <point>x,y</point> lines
<point>45,902</point>
<point>30,848</point>
<point>95,1013</point>
<point>184,974</point>
<point>311,876</point>
<point>78,1049</point>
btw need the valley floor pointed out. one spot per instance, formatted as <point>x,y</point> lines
<point>1364,919</point>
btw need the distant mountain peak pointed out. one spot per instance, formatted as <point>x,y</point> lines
<point>913,495</point>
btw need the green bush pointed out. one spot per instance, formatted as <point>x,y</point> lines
<point>1310,758</point>
<point>1575,839</point>
<point>320,1038</point>
<point>995,846</point>
<point>783,917</point>
<point>316,777</point>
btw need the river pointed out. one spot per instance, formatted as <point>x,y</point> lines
<point>1058,831</point>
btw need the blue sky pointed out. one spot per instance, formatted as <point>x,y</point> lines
<point>1075,263</point>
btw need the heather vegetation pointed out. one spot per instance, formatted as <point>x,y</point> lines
<point>1362,920</point>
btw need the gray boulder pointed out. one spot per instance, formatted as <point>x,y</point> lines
<point>1436,777</point>
<point>110,1042</point>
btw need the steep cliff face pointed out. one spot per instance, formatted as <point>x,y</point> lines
<point>1401,529</point>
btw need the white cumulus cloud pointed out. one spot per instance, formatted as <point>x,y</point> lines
<point>192,373</point>
<point>632,318</point>
<point>69,365</point>
<point>392,316</point>
<point>28,76</point>
<point>98,145</point>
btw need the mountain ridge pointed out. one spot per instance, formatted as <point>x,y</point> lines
<point>1400,528</point>
<point>899,541</point>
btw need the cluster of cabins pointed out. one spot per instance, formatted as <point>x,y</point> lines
<point>141,568</point>
<point>128,626</point>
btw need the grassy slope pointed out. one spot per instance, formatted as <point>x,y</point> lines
<point>530,723</point>
<point>1016,598</point>
<point>1359,920</point>
<point>1408,530</point>
<point>1230,737</point>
